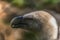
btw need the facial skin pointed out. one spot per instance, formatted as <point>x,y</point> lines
<point>40,24</point>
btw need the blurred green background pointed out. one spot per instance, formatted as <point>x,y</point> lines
<point>37,4</point>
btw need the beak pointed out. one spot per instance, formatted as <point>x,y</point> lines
<point>15,21</point>
<point>20,22</point>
